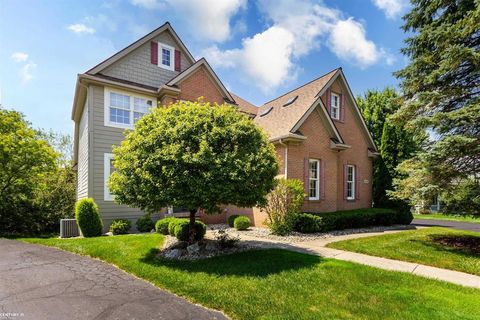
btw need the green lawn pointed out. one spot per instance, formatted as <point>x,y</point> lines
<point>429,246</point>
<point>279,284</point>
<point>440,216</point>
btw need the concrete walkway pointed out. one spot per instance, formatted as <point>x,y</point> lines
<point>38,282</point>
<point>467,226</point>
<point>317,247</point>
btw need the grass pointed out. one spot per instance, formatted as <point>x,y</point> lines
<point>449,217</point>
<point>279,284</point>
<point>438,247</point>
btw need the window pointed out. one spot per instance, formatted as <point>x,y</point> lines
<point>350,182</point>
<point>123,110</point>
<point>166,56</point>
<point>314,183</point>
<point>107,171</point>
<point>335,106</point>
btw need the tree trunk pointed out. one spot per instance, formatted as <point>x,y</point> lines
<point>191,229</point>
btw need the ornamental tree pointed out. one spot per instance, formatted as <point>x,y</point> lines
<point>193,155</point>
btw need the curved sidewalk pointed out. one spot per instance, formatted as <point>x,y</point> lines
<point>317,247</point>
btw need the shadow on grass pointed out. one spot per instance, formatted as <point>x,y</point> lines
<point>255,263</point>
<point>464,243</point>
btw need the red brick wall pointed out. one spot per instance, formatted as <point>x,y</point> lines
<point>200,84</point>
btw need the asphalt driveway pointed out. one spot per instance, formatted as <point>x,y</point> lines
<point>467,226</point>
<point>45,283</point>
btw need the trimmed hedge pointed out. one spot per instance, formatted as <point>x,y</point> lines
<point>172,224</point>
<point>120,226</point>
<point>182,230</point>
<point>359,218</point>
<point>241,223</point>
<point>145,223</point>
<point>162,225</point>
<point>231,220</point>
<point>88,218</point>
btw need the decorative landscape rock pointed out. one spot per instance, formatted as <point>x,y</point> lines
<point>193,249</point>
<point>174,254</point>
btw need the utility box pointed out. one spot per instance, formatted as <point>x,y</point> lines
<point>69,228</point>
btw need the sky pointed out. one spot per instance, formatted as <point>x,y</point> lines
<point>259,49</point>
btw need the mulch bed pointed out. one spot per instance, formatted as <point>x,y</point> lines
<point>463,242</point>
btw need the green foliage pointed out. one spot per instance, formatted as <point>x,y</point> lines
<point>194,155</point>
<point>120,226</point>
<point>441,89</point>
<point>231,219</point>
<point>394,142</point>
<point>359,218</point>
<point>283,203</point>
<point>241,223</point>
<point>308,223</point>
<point>464,199</point>
<point>173,223</point>
<point>145,223</point>
<point>36,188</point>
<point>162,225</point>
<point>182,231</point>
<point>88,218</point>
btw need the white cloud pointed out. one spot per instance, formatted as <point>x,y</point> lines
<point>80,28</point>
<point>392,8</point>
<point>26,72</point>
<point>19,56</point>
<point>208,19</point>
<point>147,4</point>
<point>296,29</point>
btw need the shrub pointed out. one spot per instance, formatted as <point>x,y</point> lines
<point>173,224</point>
<point>241,223</point>
<point>182,228</point>
<point>88,218</point>
<point>225,240</point>
<point>308,223</point>
<point>120,226</point>
<point>145,223</point>
<point>231,219</point>
<point>283,203</point>
<point>162,225</point>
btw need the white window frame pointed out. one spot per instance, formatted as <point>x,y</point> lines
<point>132,96</point>
<point>107,158</point>
<point>352,182</point>
<point>162,46</point>
<point>334,107</point>
<point>317,180</point>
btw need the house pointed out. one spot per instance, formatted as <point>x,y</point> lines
<point>319,133</point>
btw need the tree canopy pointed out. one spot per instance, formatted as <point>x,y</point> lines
<point>193,155</point>
<point>441,85</point>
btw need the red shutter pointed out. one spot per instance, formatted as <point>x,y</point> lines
<point>178,65</point>
<point>342,108</point>
<point>306,177</point>
<point>357,183</point>
<point>329,102</point>
<point>154,52</point>
<point>322,179</point>
<point>345,175</point>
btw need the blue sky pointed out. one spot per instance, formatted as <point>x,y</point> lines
<point>260,49</point>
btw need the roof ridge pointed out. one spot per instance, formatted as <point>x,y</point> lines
<point>303,85</point>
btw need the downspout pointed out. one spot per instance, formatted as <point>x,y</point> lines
<point>285,157</point>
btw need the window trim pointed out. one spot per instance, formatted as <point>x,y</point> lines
<point>352,197</point>
<point>162,46</point>
<point>106,109</point>
<point>337,108</point>
<point>317,180</point>
<point>107,157</point>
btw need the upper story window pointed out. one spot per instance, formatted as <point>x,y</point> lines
<point>166,57</point>
<point>335,106</point>
<point>350,182</point>
<point>123,110</point>
<point>314,183</point>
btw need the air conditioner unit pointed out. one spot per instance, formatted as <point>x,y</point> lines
<point>69,228</point>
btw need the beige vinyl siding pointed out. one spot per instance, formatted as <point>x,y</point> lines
<point>137,67</point>
<point>103,140</point>
<point>82,171</point>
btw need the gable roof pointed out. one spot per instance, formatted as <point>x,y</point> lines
<point>125,51</point>
<point>280,121</point>
<point>244,105</point>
